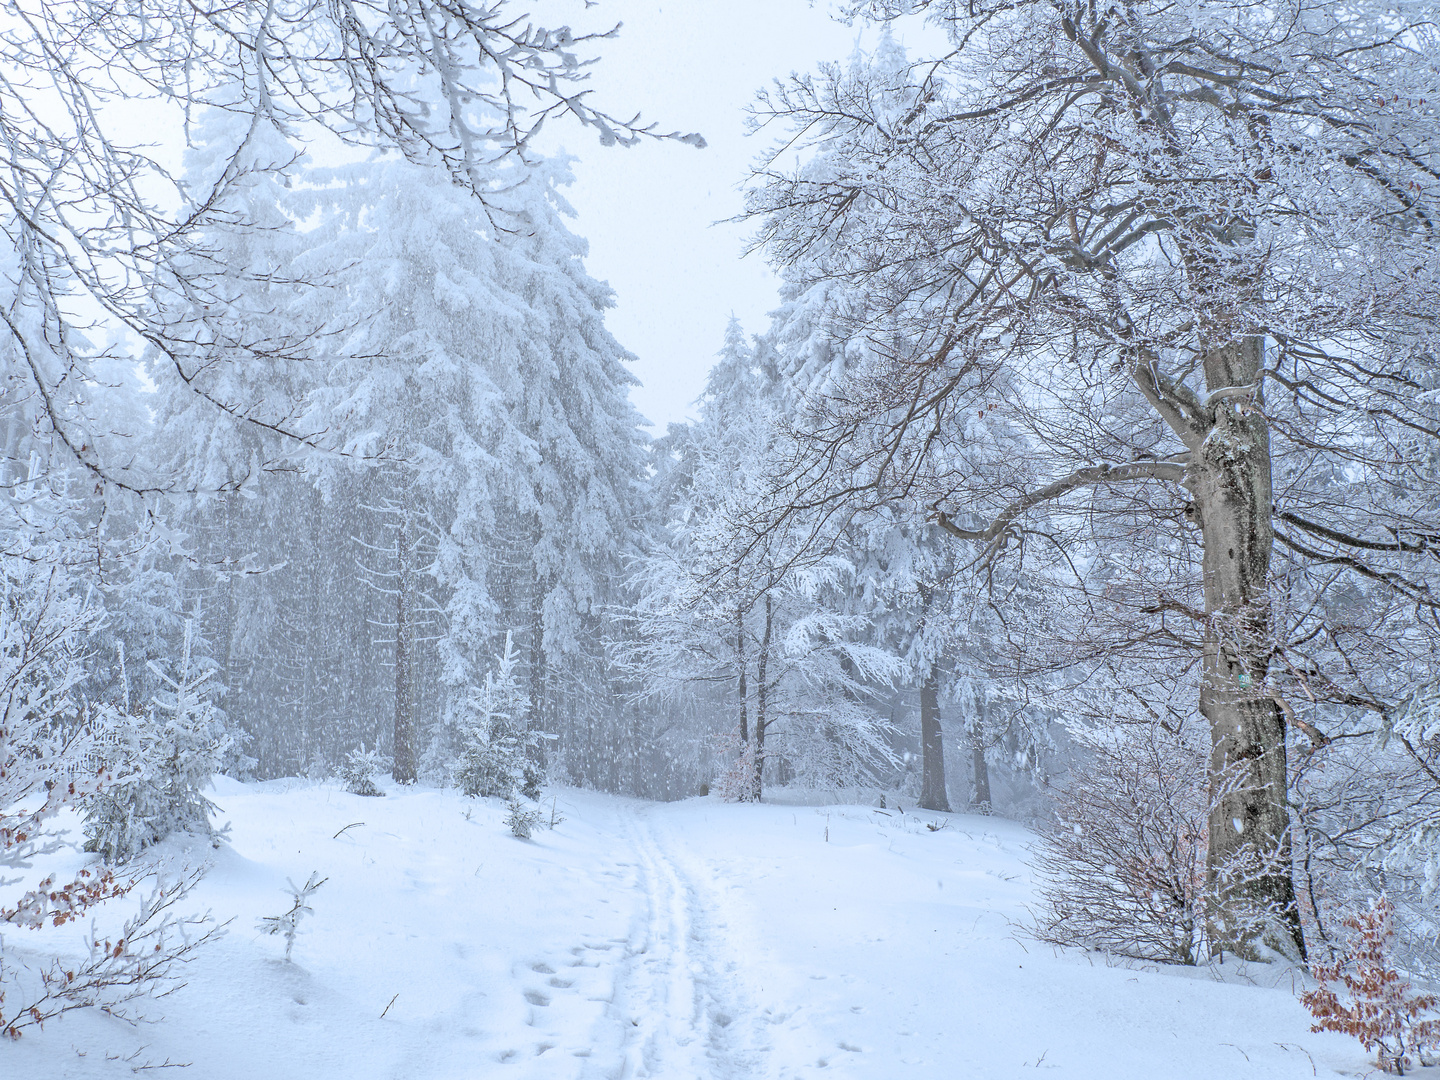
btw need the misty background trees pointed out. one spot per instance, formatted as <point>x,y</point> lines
<point>1087,471</point>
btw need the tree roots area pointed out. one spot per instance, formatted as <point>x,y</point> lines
<point>682,940</point>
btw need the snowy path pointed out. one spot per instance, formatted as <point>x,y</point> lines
<point>685,1006</point>
<point>685,941</point>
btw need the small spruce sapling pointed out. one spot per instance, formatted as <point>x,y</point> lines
<point>163,760</point>
<point>498,754</point>
<point>359,767</point>
<point>50,762</point>
<point>289,922</point>
<point>521,818</point>
<point>1376,1003</point>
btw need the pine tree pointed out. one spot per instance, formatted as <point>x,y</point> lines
<point>497,745</point>
<point>163,758</point>
<point>358,771</point>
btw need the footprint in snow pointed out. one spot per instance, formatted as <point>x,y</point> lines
<point>534,997</point>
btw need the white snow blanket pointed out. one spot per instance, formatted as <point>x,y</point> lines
<point>687,940</point>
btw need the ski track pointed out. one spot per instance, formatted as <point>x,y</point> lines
<point>691,941</point>
<point>685,1010</point>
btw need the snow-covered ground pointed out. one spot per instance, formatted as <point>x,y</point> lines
<point>681,940</point>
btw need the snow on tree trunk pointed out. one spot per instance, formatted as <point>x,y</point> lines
<point>981,775</point>
<point>539,678</point>
<point>932,749</point>
<point>404,750</point>
<point>1248,864</point>
<point>762,699</point>
<point>740,663</point>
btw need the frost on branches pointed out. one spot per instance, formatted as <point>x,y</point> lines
<point>357,772</point>
<point>520,818</point>
<point>1122,865</point>
<point>163,761</point>
<point>1375,1002</point>
<point>499,756</point>
<point>45,743</point>
<point>48,764</point>
<point>287,925</point>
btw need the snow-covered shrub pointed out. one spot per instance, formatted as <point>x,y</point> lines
<point>737,782</point>
<point>1376,1003</point>
<point>288,923</point>
<point>163,759</point>
<point>520,818</point>
<point>1122,864</point>
<point>138,958</point>
<point>498,755</point>
<point>359,767</point>
<point>48,762</point>
<point>841,744</point>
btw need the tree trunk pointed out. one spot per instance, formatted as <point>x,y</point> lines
<point>1248,863</point>
<point>762,696</point>
<point>537,713</point>
<point>744,690</point>
<point>981,771</point>
<point>932,749</point>
<point>404,750</point>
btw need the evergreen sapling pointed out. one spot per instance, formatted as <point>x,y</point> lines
<point>359,767</point>
<point>521,818</point>
<point>498,754</point>
<point>163,760</point>
<point>288,923</point>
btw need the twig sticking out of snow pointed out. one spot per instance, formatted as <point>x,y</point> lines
<point>289,922</point>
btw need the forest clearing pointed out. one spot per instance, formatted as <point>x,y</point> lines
<point>691,939</point>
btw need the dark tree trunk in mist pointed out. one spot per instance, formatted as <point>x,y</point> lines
<point>762,695</point>
<point>537,713</point>
<point>740,662</point>
<point>980,775</point>
<point>1248,864</point>
<point>404,750</point>
<point>932,749</point>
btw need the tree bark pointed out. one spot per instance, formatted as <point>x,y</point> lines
<point>762,696</point>
<point>932,750</point>
<point>539,671</point>
<point>404,748</point>
<point>741,664</point>
<point>1248,862</point>
<point>981,770</point>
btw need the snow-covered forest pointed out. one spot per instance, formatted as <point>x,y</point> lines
<point>1036,621</point>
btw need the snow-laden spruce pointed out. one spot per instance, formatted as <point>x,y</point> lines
<point>500,755</point>
<point>163,759</point>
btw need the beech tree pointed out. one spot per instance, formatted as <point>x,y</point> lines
<point>1149,275</point>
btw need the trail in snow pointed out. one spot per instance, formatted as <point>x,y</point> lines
<point>685,1006</point>
<point>687,941</point>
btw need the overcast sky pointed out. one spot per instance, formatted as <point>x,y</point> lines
<point>692,65</point>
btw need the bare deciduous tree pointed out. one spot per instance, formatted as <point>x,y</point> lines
<point>1175,267</point>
